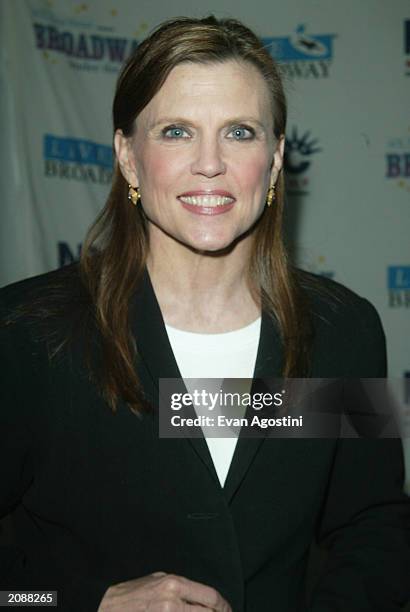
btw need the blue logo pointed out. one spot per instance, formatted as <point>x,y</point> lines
<point>327,274</point>
<point>398,277</point>
<point>302,55</point>
<point>298,159</point>
<point>77,159</point>
<point>398,284</point>
<point>77,150</point>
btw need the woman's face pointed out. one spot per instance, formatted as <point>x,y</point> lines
<point>203,154</point>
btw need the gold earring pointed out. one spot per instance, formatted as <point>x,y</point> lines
<point>271,195</point>
<point>134,194</point>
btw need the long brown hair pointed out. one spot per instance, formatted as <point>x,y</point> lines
<point>115,249</point>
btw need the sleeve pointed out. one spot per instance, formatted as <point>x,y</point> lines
<point>365,522</point>
<point>16,438</point>
<point>18,441</point>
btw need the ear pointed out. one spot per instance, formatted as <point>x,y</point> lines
<point>125,157</point>
<point>278,156</point>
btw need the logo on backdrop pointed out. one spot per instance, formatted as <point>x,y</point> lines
<point>81,42</point>
<point>303,55</point>
<point>398,161</point>
<point>76,159</point>
<point>67,254</point>
<point>407,46</point>
<point>398,285</point>
<point>298,160</point>
<point>407,387</point>
<point>322,268</point>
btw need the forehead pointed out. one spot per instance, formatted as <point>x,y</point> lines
<point>230,88</point>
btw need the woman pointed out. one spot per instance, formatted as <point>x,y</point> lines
<point>185,274</point>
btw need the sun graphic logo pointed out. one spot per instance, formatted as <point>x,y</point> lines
<point>298,159</point>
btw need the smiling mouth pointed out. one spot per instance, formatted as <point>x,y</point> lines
<point>206,201</point>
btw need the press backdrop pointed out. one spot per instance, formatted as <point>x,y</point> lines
<point>347,73</point>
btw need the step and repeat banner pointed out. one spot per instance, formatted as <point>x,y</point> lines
<point>347,72</point>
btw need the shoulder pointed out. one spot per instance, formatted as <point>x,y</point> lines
<point>332,303</point>
<point>26,291</point>
<point>46,308</point>
<point>348,333</point>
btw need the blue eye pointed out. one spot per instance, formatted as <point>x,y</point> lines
<point>242,133</point>
<point>175,132</point>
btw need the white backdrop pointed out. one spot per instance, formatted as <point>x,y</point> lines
<point>347,67</point>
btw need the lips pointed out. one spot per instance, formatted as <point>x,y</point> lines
<point>215,198</point>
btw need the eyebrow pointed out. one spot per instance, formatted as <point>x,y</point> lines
<point>188,122</point>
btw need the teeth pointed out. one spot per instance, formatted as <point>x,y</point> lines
<point>206,200</point>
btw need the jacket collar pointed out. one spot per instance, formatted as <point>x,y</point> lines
<point>156,360</point>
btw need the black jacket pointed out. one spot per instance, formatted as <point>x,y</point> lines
<point>97,498</point>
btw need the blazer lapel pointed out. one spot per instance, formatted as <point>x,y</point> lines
<point>268,365</point>
<point>155,354</point>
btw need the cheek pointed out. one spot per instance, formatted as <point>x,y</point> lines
<point>159,169</point>
<point>253,182</point>
<point>253,175</point>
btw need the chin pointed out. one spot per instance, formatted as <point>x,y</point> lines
<point>213,244</point>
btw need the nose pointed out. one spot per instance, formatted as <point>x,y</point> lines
<point>208,159</point>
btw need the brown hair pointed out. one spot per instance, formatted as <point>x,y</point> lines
<point>114,253</point>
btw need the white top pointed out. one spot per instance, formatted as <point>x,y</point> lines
<point>218,356</point>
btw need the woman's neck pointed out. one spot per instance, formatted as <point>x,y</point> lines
<point>203,292</point>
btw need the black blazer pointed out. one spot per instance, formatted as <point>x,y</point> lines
<point>97,498</point>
